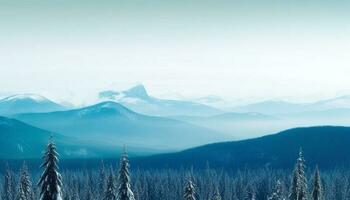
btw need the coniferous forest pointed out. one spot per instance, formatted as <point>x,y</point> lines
<point>120,182</point>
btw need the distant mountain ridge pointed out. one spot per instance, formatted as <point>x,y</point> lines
<point>22,141</point>
<point>24,103</point>
<point>325,146</point>
<point>137,99</point>
<point>111,122</point>
<point>284,107</point>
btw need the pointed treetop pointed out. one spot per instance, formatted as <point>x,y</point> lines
<point>300,152</point>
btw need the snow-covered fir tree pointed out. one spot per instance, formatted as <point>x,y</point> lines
<point>7,187</point>
<point>102,179</point>
<point>216,195</point>
<point>110,193</point>
<point>190,193</point>
<point>317,191</point>
<point>298,189</point>
<point>50,181</point>
<point>124,189</point>
<point>278,192</point>
<point>25,185</point>
<point>250,193</point>
<point>89,188</point>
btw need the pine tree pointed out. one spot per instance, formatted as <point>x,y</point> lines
<point>25,185</point>
<point>278,192</point>
<point>124,190</point>
<point>102,180</point>
<point>190,192</point>
<point>50,181</point>
<point>110,193</point>
<point>294,188</point>
<point>216,195</point>
<point>317,191</point>
<point>7,191</point>
<point>303,191</point>
<point>89,190</point>
<point>250,193</point>
<point>298,189</point>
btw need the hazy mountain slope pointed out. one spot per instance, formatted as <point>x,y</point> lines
<point>24,103</point>
<point>283,107</point>
<point>272,107</point>
<point>137,99</point>
<point>20,140</point>
<point>326,146</point>
<point>111,122</point>
<point>239,125</point>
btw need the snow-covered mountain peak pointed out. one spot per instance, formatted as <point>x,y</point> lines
<point>20,97</point>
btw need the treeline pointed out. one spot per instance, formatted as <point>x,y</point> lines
<point>115,183</point>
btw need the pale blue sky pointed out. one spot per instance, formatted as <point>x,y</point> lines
<point>296,50</point>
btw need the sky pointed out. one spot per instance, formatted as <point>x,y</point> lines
<point>68,50</point>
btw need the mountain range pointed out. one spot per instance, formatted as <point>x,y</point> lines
<point>21,140</point>
<point>137,99</point>
<point>325,146</point>
<point>27,103</point>
<point>284,107</point>
<point>110,122</point>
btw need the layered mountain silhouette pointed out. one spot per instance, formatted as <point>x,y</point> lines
<point>111,122</point>
<point>137,99</point>
<point>325,146</point>
<point>20,140</point>
<point>25,103</point>
<point>239,125</point>
<point>283,107</point>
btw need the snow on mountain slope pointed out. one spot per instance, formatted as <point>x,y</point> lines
<point>137,99</point>
<point>24,103</point>
<point>111,122</point>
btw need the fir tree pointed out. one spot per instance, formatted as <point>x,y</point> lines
<point>50,181</point>
<point>190,193</point>
<point>89,191</point>
<point>250,193</point>
<point>216,195</point>
<point>25,185</point>
<point>110,193</point>
<point>278,192</point>
<point>317,191</point>
<point>303,191</point>
<point>102,179</point>
<point>7,191</point>
<point>124,190</point>
<point>298,189</point>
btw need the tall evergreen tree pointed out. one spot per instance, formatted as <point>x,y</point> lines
<point>250,193</point>
<point>7,191</point>
<point>124,190</point>
<point>50,181</point>
<point>102,180</point>
<point>216,195</point>
<point>278,192</point>
<point>110,193</point>
<point>317,191</point>
<point>190,193</point>
<point>25,185</point>
<point>298,189</point>
<point>303,191</point>
<point>294,188</point>
<point>89,188</point>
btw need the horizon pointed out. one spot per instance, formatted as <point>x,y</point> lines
<point>76,100</point>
